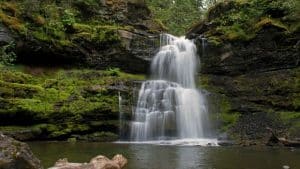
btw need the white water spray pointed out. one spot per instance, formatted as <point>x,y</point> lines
<point>170,107</point>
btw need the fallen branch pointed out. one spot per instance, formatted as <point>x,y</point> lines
<point>274,140</point>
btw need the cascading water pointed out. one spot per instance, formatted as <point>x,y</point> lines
<point>170,107</point>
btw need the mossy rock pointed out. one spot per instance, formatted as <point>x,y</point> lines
<point>66,102</point>
<point>237,20</point>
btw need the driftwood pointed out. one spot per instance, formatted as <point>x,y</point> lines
<point>99,162</point>
<point>274,140</point>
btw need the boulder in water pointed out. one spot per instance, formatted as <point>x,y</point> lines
<point>98,162</point>
<point>16,155</point>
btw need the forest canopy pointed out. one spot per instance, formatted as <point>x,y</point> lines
<point>168,12</point>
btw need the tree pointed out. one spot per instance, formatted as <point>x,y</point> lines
<point>179,15</point>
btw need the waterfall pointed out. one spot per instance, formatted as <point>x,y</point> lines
<point>169,106</point>
<point>120,113</point>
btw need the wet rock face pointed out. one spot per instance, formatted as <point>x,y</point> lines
<point>5,36</point>
<point>271,49</point>
<point>16,155</point>
<point>259,78</point>
<point>132,54</point>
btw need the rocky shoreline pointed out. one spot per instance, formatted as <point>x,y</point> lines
<point>17,155</point>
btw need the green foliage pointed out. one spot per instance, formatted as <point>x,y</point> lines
<point>9,14</point>
<point>113,71</point>
<point>292,120</point>
<point>68,18</point>
<point>96,33</point>
<point>63,99</point>
<point>242,19</point>
<point>7,54</point>
<point>177,15</point>
<point>73,91</point>
<point>59,23</point>
<point>227,117</point>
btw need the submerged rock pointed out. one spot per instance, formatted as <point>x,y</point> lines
<point>226,143</point>
<point>16,155</point>
<point>99,162</point>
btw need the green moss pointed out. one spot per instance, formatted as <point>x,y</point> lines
<point>20,90</point>
<point>39,20</point>
<point>104,136</point>
<point>14,76</point>
<point>79,28</point>
<point>292,120</point>
<point>241,20</point>
<point>114,71</point>
<point>215,40</point>
<point>81,105</point>
<point>42,36</point>
<point>60,24</point>
<point>34,129</point>
<point>289,116</point>
<point>104,123</point>
<point>160,24</point>
<point>296,102</point>
<point>227,116</point>
<point>72,140</point>
<point>204,82</point>
<point>229,120</point>
<point>234,32</point>
<point>32,105</point>
<point>61,96</point>
<point>9,16</point>
<point>97,33</point>
<point>65,43</point>
<point>269,21</point>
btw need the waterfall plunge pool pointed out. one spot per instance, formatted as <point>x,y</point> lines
<point>150,156</point>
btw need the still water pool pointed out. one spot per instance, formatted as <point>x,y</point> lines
<point>145,156</point>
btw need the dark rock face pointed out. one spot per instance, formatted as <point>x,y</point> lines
<point>137,49</point>
<point>5,36</point>
<point>270,50</point>
<point>110,33</point>
<point>260,80</point>
<point>16,155</point>
<point>251,66</point>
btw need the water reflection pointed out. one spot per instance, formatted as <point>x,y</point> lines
<point>171,157</point>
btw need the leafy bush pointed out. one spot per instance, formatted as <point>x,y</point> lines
<point>68,18</point>
<point>113,72</point>
<point>7,54</point>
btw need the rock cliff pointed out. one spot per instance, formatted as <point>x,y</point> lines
<point>94,34</point>
<point>69,65</point>
<point>250,59</point>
